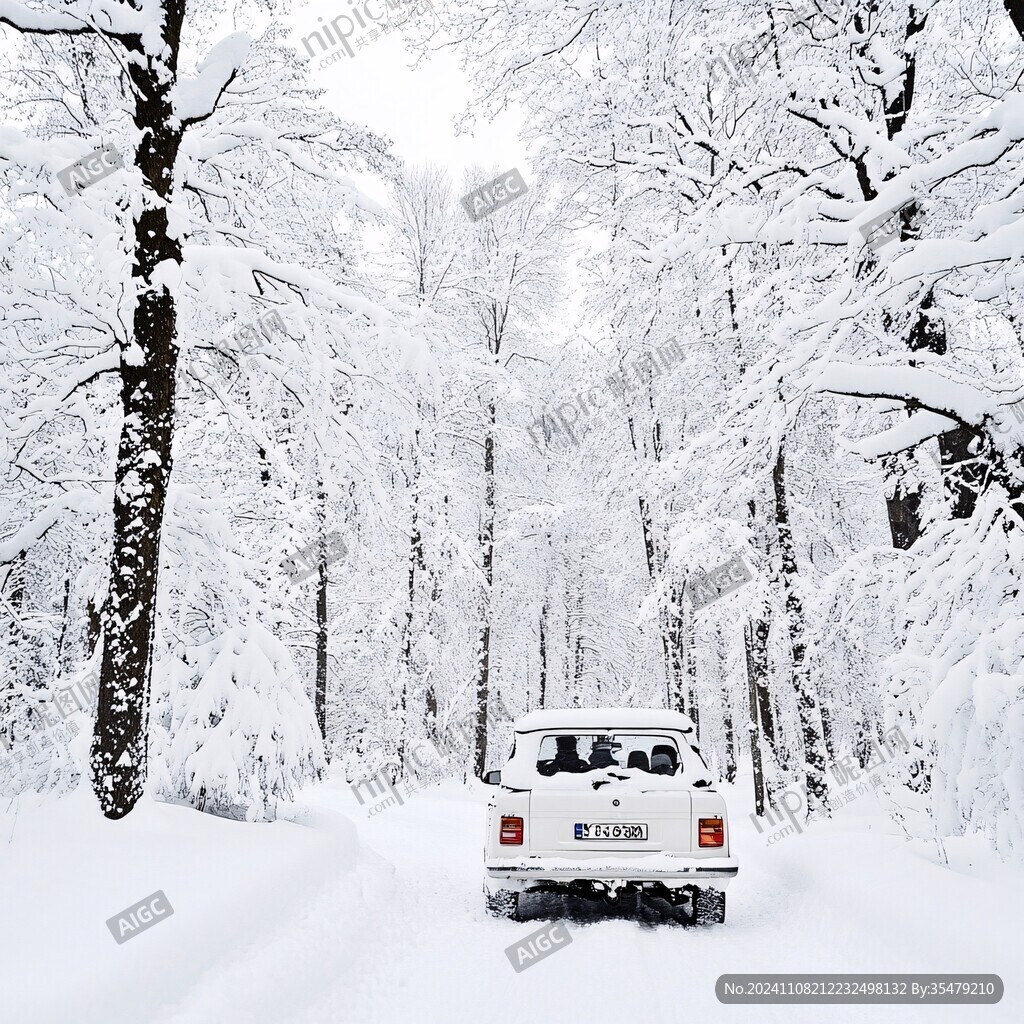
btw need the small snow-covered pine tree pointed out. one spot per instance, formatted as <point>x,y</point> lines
<point>244,737</point>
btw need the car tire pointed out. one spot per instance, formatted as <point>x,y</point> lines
<point>709,906</point>
<point>502,903</point>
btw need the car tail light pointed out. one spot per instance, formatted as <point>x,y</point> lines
<point>511,832</point>
<point>711,832</point>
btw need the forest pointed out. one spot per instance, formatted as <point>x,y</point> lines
<point>294,480</point>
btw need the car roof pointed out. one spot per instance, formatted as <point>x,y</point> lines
<point>604,719</point>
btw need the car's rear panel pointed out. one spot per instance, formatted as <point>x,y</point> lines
<point>555,815</point>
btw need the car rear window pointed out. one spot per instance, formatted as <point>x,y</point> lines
<point>575,753</point>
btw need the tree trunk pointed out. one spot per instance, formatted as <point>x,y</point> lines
<point>646,525</point>
<point>903,510</point>
<point>430,695</point>
<point>416,559</point>
<point>17,598</point>
<point>321,621</point>
<point>807,702</point>
<point>730,739</point>
<point>752,730</point>
<point>826,730</point>
<point>487,545</point>
<point>694,712</point>
<point>673,649</point>
<point>689,634</point>
<point>63,627</point>
<point>862,745</point>
<point>759,664</point>
<point>119,754</point>
<point>964,471</point>
<point>771,752</point>
<point>577,675</point>
<point>543,654</point>
<point>93,630</point>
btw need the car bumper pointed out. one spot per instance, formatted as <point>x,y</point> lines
<point>714,872</point>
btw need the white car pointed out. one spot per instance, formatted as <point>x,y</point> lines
<point>596,802</point>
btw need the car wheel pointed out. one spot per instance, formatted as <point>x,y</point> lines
<point>709,906</point>
<point>502,903</point>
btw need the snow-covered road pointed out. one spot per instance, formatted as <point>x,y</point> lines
<point>391,928</point>
<point>422,948</point>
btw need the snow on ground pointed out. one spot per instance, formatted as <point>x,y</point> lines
<point>341,917</point>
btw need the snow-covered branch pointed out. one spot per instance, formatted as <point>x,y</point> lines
<point>195,99</point>
<point>918,387</point>
<point>77,17</point>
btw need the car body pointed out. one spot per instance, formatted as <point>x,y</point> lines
<point>596,802</point>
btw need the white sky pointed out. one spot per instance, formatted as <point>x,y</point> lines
<point>416,109</point>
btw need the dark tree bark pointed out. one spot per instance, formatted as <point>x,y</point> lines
<point>543,655</point>
<point>689,656</point>
<point>119,753</point>
<point>752,729</point>
<point>963,471</point>
<point>646,525</point>
<point>416,562</point>
<point>730,739</point>
<point>694,712</point>
<point>264,466</point>
<point>63,627</point>
<point>826,730</point>
<point>577,661</point>
<point>320,700</point>
<point>487,545</point>
<point>430,695</point>
<point>321,656</point>
<point>759,664</point>
<point>862,743</point>
<point>92,626</point>
<point>672,628</point>
<point>17,597</point>
<point>807,701</point>
<point>904,511</point>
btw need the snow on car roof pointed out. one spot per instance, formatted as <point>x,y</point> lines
<point>603,719</point>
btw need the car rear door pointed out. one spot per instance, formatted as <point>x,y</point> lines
<point>556,817</point>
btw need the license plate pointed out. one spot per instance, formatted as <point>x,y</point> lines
<point>610,830</point>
